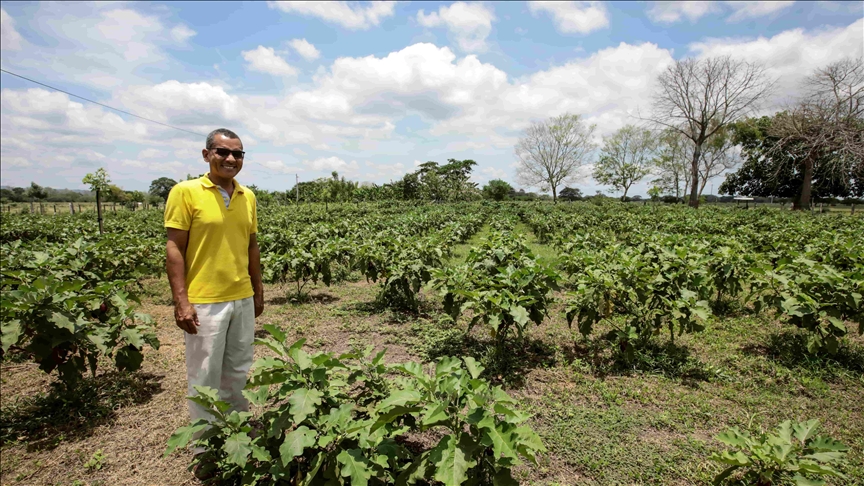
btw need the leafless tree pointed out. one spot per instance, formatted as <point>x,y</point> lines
<point>672,164</point>
<point>828,119</point>
<point>718,156</point>
<point>552,151</point>
<point>626,158</point>
<point>699,97</point>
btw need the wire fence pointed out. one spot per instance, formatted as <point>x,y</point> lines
<point>72,207</point>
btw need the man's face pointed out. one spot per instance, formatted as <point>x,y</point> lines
<point>225,166</point>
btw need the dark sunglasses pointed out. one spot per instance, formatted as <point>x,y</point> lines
<point>223,152</point>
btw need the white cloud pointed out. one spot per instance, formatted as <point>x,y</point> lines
<point>671,12</point>
<point>279,166</point>
<point>749,10</point>
<point>332,163</point>
<point>10,39</point>
<point>305,49</point>
<point>421,78</point>
<point>469,23</point>
<point>790,55</point>
<point>573,17</point>
<point>198,106</point>
<point>298,151</point>
<point>354,17</point>
<point>182,33</point>
<point>152,153</point>
<point>265,60</point>
<point>16,162</point>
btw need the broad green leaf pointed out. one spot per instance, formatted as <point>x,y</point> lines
<point>451,462</point>
<point>511,414</point>
<point>520,314</point>
<point>826,456</point>
<point>434,414</point>
<point>295,443</point>
<point>354,465</point>
<point>259,396</point>
<point>275,331</point>
<point>784,431</point>
<point>182,436</point>
<point>733,437</point>
<point>802,481</point>
<point>399,398</point>
<point>9,333</point>
<point>446,365</point>
<point>237,448</point>
<point>736,459</point>
<point>473,368</point>
<point>260,454</point>
<point>391,415</point>
<point>133,337</point>
<point>826,444</point>
<point>804,430</point>
<point>300,357</point>
<point>499,436</point>
<point>303,403</point>
<point>62,322</point>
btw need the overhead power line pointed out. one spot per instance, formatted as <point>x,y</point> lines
<point>103,105</point>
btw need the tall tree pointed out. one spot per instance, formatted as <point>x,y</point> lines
<point>36,192</point>
<point>768,171</point>
<point>717,157</point>
<point>161,187</point>
<point>497,190</point>
<point>551,152</point>
<point>672,164</point>
<point>626,158</point>
<point>826,123</point>
<point>571,194</point>
<point>697,98</point>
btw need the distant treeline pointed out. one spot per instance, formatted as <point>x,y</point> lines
<point>21,194</point>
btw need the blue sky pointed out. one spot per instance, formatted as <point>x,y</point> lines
<point>367,89</point>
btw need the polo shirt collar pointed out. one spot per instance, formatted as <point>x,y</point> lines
<point>206,182</point>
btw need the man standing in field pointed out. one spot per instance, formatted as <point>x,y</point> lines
<point>214,270</point>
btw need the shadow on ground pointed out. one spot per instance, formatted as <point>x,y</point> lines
<point>45,420</point>
<point>303,298</point>
<point>789,348</point>
<point>510,364</point>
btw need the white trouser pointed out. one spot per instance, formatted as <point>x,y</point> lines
<point>220,355</point>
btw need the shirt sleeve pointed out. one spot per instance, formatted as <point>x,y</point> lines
<point>178,210</point>
<point>254,216</point>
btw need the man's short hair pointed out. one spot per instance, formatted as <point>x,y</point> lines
<point>211,138</point>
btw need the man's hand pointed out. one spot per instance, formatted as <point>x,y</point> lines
<point>186,317</point>
<point>259,303</point>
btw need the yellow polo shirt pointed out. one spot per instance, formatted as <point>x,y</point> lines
<point>217,254</point>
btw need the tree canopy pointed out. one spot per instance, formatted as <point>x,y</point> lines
<point>161,187</point>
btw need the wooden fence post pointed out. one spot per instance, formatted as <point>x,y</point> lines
<point>55,209</point>
<point>99,210</point>
<point>71,208</point>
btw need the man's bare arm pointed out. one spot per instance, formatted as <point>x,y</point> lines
<point>175,249</point>
<point>255,274</point>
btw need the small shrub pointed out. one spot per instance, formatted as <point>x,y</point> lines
<point>790,455</point>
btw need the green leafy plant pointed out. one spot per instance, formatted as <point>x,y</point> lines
<point>96,462</point>
<point>793,454</point>
<point>502,282</point>
<point>343,420</point>
<point>813,296</point>
<point>68,306</point>
<point>651,286</point>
